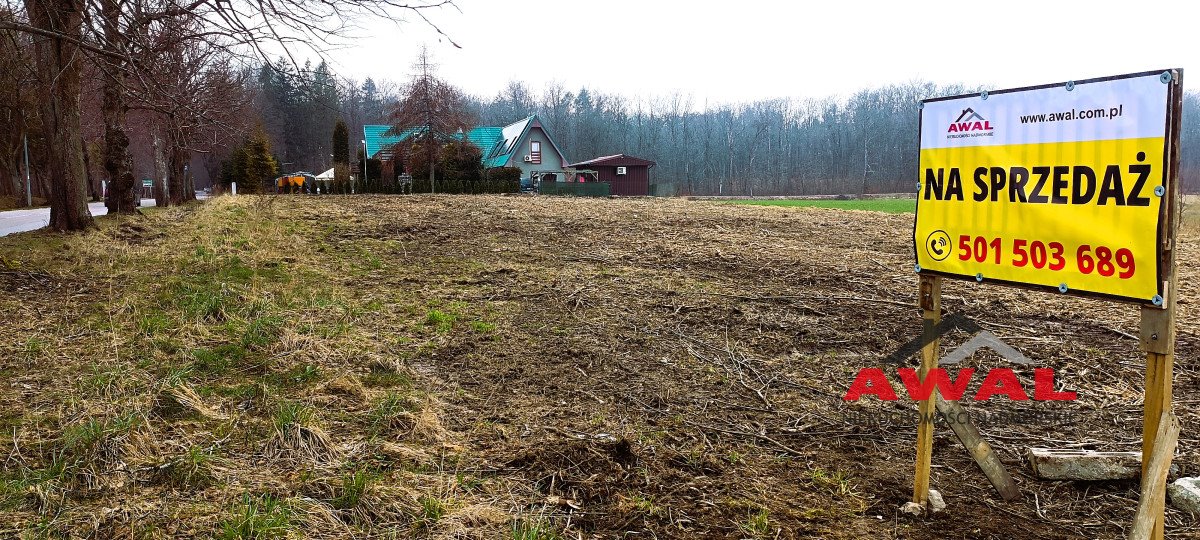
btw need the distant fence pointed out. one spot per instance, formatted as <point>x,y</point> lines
<point>577,189</point>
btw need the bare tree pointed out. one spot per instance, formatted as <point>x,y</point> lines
<point>241,27</point>
<point>58,56</point>
<point>17,114</point>
<point>121,197</point>
<point>434,107</point>
<point>198,95</point>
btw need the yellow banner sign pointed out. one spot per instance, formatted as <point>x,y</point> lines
<point>1059,186</point>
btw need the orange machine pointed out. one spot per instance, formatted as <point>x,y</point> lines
<point>292,183</point>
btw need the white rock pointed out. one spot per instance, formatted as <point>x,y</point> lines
<point>1185,494</point>
<point>912,508</point>
<point>936,502</point>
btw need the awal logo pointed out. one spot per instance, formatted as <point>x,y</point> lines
<point>998,381</point>
<point>970,122</point>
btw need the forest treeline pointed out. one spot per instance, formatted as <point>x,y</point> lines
<point>863,143</point>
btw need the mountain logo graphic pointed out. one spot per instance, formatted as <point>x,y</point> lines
<point>969,121</point>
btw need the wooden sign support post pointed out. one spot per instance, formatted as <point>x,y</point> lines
<point>931,307</point>
<point>1157,337</point>
<point>1158,341</point>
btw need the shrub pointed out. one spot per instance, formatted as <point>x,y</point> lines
<point>503,180</point>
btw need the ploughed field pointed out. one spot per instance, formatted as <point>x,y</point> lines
<point>528,368</point>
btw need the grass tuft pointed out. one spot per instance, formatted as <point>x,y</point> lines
<point>354,488</point>
<point>441,321</point>
<point>203,300</point>
<point>218,360</point>
<point>154,323</point>
<point>393,411</point>
<point>304,374</point>
<point>13,490</point>
<point>291,414</point>
<point>192,469</point>
<point>757,524</point>
<point>257,518</point>
<point>483,327</point>
<point>384,375</point>
<point>838,482</point>
<point>432,511</point>
<point>538,530</point>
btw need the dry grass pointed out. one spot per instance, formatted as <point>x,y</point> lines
<point>512,367</point>
<point>212,366</point>
<point>1191,214</point>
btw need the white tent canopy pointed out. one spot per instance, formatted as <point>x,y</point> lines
<point>327,175</point>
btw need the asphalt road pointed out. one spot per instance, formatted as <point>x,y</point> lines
<point>14,221</point>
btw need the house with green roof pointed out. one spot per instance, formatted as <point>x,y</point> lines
<point>524,144</point>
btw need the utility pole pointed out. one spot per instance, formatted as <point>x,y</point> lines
<point>366,160</point>
<point>28,187</point>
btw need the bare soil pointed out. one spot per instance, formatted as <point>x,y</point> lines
<point>536,366</point>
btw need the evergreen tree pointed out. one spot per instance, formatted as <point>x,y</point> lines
<point>251,165</point>
<point>341,143</point>
<point>260,166</point>
<point>341,154</point>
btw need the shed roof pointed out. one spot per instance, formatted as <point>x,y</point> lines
<point>620,160</point>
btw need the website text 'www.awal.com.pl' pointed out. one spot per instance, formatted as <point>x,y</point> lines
<point>1074,114</point>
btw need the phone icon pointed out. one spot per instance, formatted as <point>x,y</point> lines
<point>938,245</point>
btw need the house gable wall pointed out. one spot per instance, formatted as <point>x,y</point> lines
<point>551,160</point>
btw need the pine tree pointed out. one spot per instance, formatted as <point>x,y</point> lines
<point>260,166</point>
<point>251,165</point>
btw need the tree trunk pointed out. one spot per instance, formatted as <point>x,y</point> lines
<point>93,183</point>
<point>59,65</point>
<point>177,159</point>
<point>189,181</point>
<point>13,180</point>
<point>162,192</point>
<point>432,146</point>
<point>122,196</point>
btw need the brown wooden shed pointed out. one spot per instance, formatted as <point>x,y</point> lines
<point>626,175</point>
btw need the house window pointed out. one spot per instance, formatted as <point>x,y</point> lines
<point>535,152</point>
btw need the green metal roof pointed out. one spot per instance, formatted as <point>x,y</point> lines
<point>485,137</point>
<point>378,140</point>
<point>498,161</point>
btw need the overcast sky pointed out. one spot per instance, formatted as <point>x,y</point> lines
<point>742,50</point>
